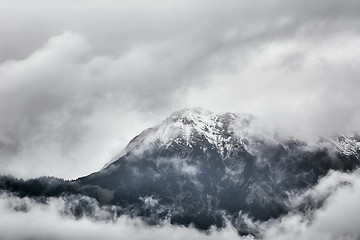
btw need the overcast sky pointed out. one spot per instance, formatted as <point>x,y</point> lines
<point>80,78</point>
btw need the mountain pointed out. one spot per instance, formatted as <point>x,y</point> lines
<point>197,167</point>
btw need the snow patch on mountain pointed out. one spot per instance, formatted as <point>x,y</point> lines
<point>347,145</point>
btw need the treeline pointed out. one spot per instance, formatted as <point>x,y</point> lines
<point>43,186</point>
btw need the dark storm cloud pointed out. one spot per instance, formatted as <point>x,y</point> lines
<point>80,78</point>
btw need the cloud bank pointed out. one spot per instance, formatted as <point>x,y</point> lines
<point>79,79</point>
<point>336,218</point>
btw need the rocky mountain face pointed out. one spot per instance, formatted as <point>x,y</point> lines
<point>197,167</point>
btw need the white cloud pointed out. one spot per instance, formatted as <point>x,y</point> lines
<point>336,219</point>
<point>304,86</point>
<point>45,222</point>
<point>80,79</point>
<point>65,107</point>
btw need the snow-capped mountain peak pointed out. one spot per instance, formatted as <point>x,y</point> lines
<point>224,132</point>
<point>188,126</point>
<point>185,127</point>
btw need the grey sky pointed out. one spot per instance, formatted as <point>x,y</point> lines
<point>79,79</point>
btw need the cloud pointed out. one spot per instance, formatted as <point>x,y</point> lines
<point>336,218</point>
<point>304,86</point>
<point>62,94</point>
<point>80,79</point>
<point>40,221</point>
